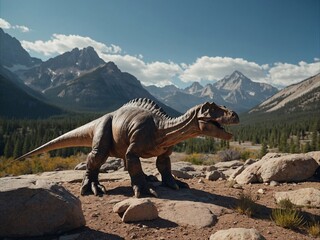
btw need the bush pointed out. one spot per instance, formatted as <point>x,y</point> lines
<point>229,155</point>
<point>313,229</point>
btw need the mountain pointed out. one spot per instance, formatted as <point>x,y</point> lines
<point>235,91</point>
<point>240,91</point>
<point>61,69</point>
<point>303,96</point>
<point>16,102</point>
<point>12,55</point>
<point>103,89</point>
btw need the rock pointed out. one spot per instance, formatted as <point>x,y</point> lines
<point>309,197</point>
<point>261,191</point>
<point>280,168</point>
<point>209,168</point>
<point>188,213</point>
<point>136,210</point>
<point>112,164</point>
<point>81,166</point>
<point>235,173</point>
<point>249,161</point>
<point>182,166</point>
<point>181,174</point>
<point>237,234</point>
<point>315,155</point>
<point>274,183</point>
<point>214,175</point>
<point>35,208</point>
<point>229,164</point>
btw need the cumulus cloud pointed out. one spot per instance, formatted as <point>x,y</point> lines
<point>154,73</point>
<point>6,25</point>
<point>283,74</point>
<point>215,68</point>
<point>60,43</point>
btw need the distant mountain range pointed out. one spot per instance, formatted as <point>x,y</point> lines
<point>303,96</point>
<point>235,91</point>
<point>80,80</point>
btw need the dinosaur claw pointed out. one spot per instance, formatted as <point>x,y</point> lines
<point>136,191</point>
<point>153,192</point>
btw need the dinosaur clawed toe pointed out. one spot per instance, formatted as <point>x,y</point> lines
<point>171,182</point>
<point>92,187</point>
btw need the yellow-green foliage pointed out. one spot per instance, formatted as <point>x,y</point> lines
<point>287,218</point>
<point>314,229</point>
<point>37,164</point>
<point>286,204</point>
<point>194,158</point>
<point>246,205</point>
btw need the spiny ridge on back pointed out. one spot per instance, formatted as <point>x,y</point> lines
<point>148,104</point>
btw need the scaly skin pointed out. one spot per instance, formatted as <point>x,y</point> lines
<point>141,129</point>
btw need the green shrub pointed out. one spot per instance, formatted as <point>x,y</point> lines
<point>246,205</point>
<point>287,218</point>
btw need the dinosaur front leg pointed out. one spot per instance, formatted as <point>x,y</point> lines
<point>164,167</point>
<point>138,178</point>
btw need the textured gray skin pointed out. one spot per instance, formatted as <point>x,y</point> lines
<point>140,128</point>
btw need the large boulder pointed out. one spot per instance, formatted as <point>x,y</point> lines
<point>34,208</point>
<point>237,234</point>
<point>280,168</point>
<point>309,197</point>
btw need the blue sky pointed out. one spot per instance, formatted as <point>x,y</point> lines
<point>177,41</point>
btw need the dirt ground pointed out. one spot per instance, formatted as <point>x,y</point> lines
<point>103,223</point>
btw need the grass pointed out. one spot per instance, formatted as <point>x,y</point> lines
<point>286,204</point>
<point>246,205</point>
<point>38,164</point>
<point>287,218</point>
<point>313,229</point>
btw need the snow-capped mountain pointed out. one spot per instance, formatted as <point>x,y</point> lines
<point>235,91</point>
<point>61,69</point>
<point>303,96</point>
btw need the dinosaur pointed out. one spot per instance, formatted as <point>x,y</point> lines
<point>140,128</point>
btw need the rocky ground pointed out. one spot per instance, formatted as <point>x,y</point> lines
<point>195,213</point>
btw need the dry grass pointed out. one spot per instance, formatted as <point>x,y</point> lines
<point>313,229</point>
<point>246,205</point>
<point>287,218</point>
<point>38,164</point>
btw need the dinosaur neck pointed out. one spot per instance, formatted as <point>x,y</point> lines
<point>178,129</point>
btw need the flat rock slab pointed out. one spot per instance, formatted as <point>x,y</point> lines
<point>237,234</point>
<point>188,213</point>
<point>309,197</point>
<point>35,208</point>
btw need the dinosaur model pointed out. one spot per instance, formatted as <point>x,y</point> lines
<point>140,128</point>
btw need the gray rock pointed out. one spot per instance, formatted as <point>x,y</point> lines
<point>112,164</point>
<point>81,166</point>
<point>188,213</point>
<point>229,164</point>
<point>136,210</point>
<point>315,155</point>
<point>182,166</point>
<point>35,208</point>
<point>309,197</point>
<point>209,168</point>
<point>235,173</point>
<point>214,175</point>
<point>237,234</point>
<point>249,161</point>
<point>280,168</point>
<point>181,174</point>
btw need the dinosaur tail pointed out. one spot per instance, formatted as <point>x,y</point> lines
<point>79,137</point>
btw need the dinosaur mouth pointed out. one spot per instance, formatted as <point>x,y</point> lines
<point>218,125</point>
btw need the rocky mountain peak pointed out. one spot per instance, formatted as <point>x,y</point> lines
<point>194,88</point>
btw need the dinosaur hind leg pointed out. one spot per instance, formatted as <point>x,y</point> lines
<point>101,145</point>
<point>164,167</point>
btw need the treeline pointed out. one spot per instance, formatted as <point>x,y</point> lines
<point>294,134</point>
<point>21,136</point>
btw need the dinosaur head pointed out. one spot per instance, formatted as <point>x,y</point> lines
<point>211,119</point>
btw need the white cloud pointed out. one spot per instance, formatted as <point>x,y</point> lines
<point>215,68</point>
<point>6,25</point>
<point>284,74</point>
<point>60,43</point>
<point>154,73</point>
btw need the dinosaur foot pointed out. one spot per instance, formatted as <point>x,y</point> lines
<point>151,178</point>
<point>171,182</point>
<point>140,186</point>
<point>92,186</point>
